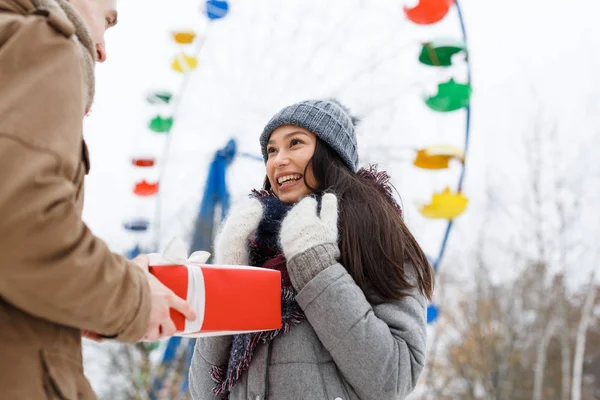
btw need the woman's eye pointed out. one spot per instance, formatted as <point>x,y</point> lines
<point>271,150</point>
<point>294,142</point>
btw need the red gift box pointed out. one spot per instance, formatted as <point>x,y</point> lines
<point>228,299</point>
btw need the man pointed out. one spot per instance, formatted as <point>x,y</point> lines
<point>56,278</point>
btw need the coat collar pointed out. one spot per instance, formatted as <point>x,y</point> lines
<point>66,20</point>
<point>64,10</point>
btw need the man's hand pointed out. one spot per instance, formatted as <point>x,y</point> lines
<point>163,299</point>
<point>142,261</point>
<point>96,337</point>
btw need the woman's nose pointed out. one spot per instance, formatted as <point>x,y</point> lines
<point>281,159</point>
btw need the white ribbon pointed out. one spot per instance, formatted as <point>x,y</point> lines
<point>175,254</point>
<point>196,298</point>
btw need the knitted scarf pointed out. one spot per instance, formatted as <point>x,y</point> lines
<point>264,252</point>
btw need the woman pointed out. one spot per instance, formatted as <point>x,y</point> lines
<point>355,283</point>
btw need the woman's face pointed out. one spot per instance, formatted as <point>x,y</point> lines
<point>289,149</point>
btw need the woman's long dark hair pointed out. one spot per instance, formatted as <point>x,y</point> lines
<point>375,244</point>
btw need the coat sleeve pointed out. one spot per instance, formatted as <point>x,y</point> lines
<point>379,350</point>
<point>209,352</point>
<point>51,265</point>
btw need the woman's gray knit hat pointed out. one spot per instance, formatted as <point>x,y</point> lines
<point>329,120</point>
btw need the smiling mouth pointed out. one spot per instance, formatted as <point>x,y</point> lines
<point>287,181</point>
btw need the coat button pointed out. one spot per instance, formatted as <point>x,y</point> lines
<point>257,397</point>
<point>338,398</point>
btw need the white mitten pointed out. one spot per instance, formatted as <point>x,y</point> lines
<point>231,243</point>
<point>310,241</point>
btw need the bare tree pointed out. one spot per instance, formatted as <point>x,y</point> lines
<point>534,317</point>
<point>586,317</point>
<point>540,364</point>
<point>131,372</point>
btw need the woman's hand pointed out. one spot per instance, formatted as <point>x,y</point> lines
<point>310,241</point>
<point>231,244</point>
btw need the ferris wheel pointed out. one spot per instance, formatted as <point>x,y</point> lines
<point>403,70</point>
